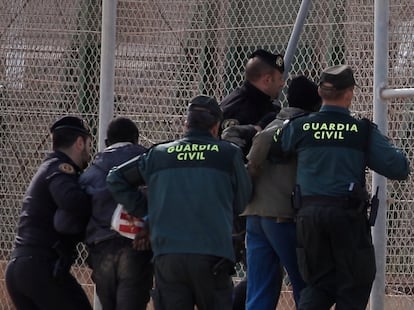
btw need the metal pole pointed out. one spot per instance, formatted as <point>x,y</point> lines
<point>294,37</point>
<point>106,91</point>
<point>381,19</point>
<point>389,93</point>
<point>106,85</point>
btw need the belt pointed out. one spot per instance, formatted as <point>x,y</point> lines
<point>280,219</point>
<point>111,239</point>
<point>327,201</point>
<point>24,251</point>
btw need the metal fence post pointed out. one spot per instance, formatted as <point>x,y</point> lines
<point>107,84</point>
<point>106,91</point>
<point>294,37</point>
<point>381,19</point>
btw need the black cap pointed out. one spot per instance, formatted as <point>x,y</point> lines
<point>341,77</point>
<point>274,60</point>
<point>303,93</point>
<point>70,123</point>
<point>206,104</point>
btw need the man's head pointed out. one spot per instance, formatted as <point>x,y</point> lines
<point>337,83</point>
<point>303,93</point>
<point>72,137</point>
<point>265,71</point>
<point>121,129</point>
<point>204,113</point>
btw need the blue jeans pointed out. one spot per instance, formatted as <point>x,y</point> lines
<point>269,244</point>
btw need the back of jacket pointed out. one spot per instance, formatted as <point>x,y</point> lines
<point>94,181</point>
<point>333,149</point>
<point>195,186</point>
<point>273,183</point>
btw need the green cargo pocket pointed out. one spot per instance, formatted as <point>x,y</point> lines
<point>363,267</point>
<point>303,264</point>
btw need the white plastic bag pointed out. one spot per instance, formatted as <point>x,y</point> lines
<point>125,224</point>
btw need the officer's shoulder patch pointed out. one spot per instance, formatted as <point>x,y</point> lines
<point>229,122</point>
<point>66,168</point>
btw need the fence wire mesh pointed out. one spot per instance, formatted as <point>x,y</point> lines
<point>168,51</point>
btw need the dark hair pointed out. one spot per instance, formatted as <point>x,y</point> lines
<point>65,138</point>
<point>121,129</point>
<point>303,93</point>
<point>256,68</point>
<point>199,119</point>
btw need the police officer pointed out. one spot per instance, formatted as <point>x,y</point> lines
<point>195,186</point>
<point>252,103</point>
<point>54,213</point>
<point>335,250</point>
<point>247,110</point>
<point>122,275</point>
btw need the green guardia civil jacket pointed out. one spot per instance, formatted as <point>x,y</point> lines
<point>333,148</point>
<point>195,186</point>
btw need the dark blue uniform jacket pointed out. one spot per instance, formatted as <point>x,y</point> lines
<point>54,188</point>
<point>248,105</point>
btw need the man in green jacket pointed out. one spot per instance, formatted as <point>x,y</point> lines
<point>271,227</point>
<point>335,250</point>
<point>196,185</point>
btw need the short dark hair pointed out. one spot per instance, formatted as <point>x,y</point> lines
<point>256,68</point>
<point>121,129</point>
<point>65,138</point>
<point>263,62</point>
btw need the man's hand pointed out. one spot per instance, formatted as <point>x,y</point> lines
<point>141,241</point>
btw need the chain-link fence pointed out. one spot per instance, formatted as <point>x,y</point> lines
<point>168,51</point>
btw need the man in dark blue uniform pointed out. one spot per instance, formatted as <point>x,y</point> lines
<point>53,218</point>
<point>252,103</point>
<point>247,110</point>
<point>122,274</point>
<point>196,185</point>
<point>333,149</point>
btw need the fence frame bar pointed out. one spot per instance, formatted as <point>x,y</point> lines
<point>107,77</point>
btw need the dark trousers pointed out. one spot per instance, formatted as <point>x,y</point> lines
<point>183,281</point>
<point>336,258</point>
<point>123,276</point>
<point>239,295</point>
<point>31,286</point>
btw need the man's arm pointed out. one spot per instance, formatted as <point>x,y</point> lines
<point>123,182</point>
<point>73,204</point>
<point>241,135</point>
<point>243,184</point>
<point>385,159</point>
<point>258,152</point>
